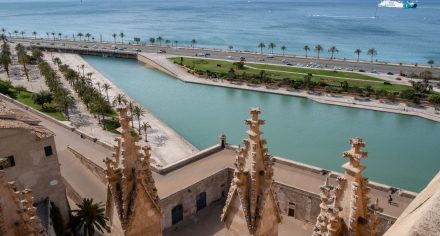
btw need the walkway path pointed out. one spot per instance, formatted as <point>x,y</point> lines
<point>167,145</point>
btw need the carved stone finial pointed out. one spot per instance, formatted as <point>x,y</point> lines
<point>252,185</point>
<point>131,187</point>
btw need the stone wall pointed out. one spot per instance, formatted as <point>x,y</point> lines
<point>216,187</point>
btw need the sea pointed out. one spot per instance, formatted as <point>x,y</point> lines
<point>398,35</point>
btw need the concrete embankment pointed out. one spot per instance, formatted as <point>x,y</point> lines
<point>162,63</point>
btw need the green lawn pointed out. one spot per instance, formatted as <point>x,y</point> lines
<point>295,73</point>
<point>25,97</point>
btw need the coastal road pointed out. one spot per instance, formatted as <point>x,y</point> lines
<point>381,68</point>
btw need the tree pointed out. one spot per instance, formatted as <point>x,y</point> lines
<point>88,35</point>
<point>23,58</point>
<point>47,34</point>
<point>333,50</point>
<point>176,42</point>
<point>193,43</point>
<point>372,52</point>
<point>431,62</point>
<point>159,39</point>
<point>106,87</point>
<point>64,102</point>
<point>122,35</point>
<point>80,35</point>
<point>136,40</point>
<point>318,49</point>
<point>42,98</point>
<point>16,33</point>
<point>144,127</point>
<point>434,99</point>
<point>22,34</point>
<point>119,100</point>
<point>230,47</point>
<point>5,57</point>
<point>20,88</point>
<point>59,36</point>
<point>283,48</point>
<point>34,34</point>
<point>358,52</point>
<point>272,46</point>
<point>152,40</point>
<point>138,112</point>
<point>53,35</point>
<point>261,45</point>
<point>90,216</point>
<point>167,41</point>
<point>306,49</point>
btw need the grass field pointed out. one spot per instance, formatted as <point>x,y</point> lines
<point>25,97</point>
<point>294,73</point>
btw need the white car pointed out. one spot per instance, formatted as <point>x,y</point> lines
<point>270,56</point>
<point>230,57</point>
<point>284,61</point>
<point>260,59</point>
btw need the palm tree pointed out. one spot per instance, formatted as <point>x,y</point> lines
<point>136,40</point>
<point>230,47</point>
<point>358,52</point>
<point>272,46</point>
<point>47,34</point>
<point>372,52</point>
<point>138,111</point>
<point>284,48</point>
<point>319,49</point>
<point>431,62</point>
<point>159,39</point>
<point>193,42</point>
<point>5,57</point>
<point>59,35</point>
<point>122,36</point>
<point>144,127</point>
<point>16,33</point>
<point>53,35</point>
<point>64,102</point>
<point>22,34</point>
<point>34,34</point>
<point>306,48</point>
<point>106,87</point>
<point>88,35</point>
<point>90,216</point>
<point>114,35</point>
<point>261,45</point>
<point>131,106</point>
<point>80,35</point>
<point>333,50</point>
<point>3,30</point>
<point>176,42</point>
<point>167,41</point>
<point>119,100</point>
<point>152,40</point>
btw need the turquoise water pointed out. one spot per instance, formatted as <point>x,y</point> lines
<point>404,150</point>
<point>399,35</point>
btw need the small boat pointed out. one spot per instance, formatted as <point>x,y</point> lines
<point>397,4</point>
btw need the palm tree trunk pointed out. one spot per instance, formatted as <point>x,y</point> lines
<point>108,100</point>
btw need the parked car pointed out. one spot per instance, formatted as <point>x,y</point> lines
<point>361,70</point>
<point>284,61</point>
<point>390,73</point>
<point>200,54</point>
<point>242,59</point>
<point>230,57</point>
<point>270,56</point>
<point>260,59</point>
<point>374,71</point>
<point>289,64</point>
<point>161,51</point>
<point>137,50</point>
<point>398,78</point>
<point>207,54</point>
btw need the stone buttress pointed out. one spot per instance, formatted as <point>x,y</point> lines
<point>131,188</point>
<point>17,213</point>
<point>345,207</point>
<point>252,207</point>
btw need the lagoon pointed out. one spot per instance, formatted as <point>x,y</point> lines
<point>403,150</point>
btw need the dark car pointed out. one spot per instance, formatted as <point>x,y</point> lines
<point>361,70</point>
<point>390,73</point>
<point>242,59</point>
